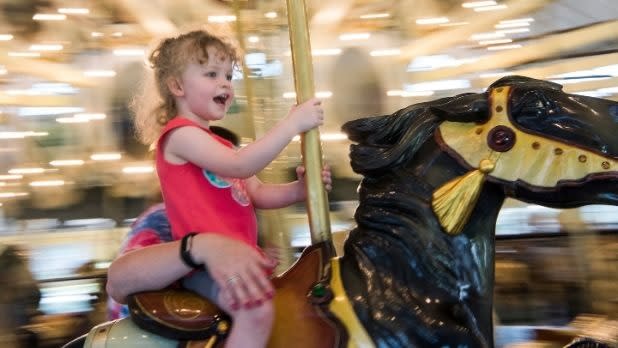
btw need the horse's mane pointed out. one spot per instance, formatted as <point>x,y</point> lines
<point>388,141</point>
<point>515,80</point>
<point>385,141</point>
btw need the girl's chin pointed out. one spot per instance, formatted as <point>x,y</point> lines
<point>218,113</point>
<point>218,116</point>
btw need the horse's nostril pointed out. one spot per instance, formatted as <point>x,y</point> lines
<point>501,138</point>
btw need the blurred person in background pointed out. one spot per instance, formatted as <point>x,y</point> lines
<point>594,259</point>
<point>19,296</point>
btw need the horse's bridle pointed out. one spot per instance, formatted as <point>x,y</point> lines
<point>498,150</point>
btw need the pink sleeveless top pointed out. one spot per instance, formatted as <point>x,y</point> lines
<point>198,200</point>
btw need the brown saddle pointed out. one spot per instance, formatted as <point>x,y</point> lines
<point>178,314</point>
<point>302,318</point>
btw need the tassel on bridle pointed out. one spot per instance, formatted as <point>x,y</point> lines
<point>454,201</point>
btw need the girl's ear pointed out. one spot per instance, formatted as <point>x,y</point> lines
<point>175,87</point>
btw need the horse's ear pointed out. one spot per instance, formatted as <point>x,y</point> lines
<point>384,141</point>
<point>467,107</point>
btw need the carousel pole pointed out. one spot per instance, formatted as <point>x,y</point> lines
<point>317,201</point>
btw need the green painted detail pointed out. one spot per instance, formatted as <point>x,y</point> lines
<point>319,290</point>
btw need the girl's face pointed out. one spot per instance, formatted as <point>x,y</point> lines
<point>205,91</point>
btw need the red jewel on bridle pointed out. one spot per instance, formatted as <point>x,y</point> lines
<point>501,138</point>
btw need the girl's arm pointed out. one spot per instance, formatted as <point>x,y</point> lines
<point>272,196</point>
<point>157,266</point>
<point>192,145</point>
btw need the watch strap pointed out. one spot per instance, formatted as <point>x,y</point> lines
<point>185,251</point>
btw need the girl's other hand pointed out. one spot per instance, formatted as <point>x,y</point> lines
<point>274,253</point>
<point>326,177</point>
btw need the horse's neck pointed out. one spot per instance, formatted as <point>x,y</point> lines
<point>430,169</point>
<point>396,225</point>
<point>479,231</point>
<point>436,168</point>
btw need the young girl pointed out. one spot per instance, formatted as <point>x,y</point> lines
<point>209,187</point>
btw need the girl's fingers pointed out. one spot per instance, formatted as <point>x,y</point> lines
<point>266,260</point>
<point>252,286</point>
<point>259,288</point>
<point>231,292</point>
<point>327,178</point>
<point>242,291</point>
<point>273,255</point>
<point>228,299</point>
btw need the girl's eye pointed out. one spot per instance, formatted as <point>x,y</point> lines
<point>211,74</point>
<point>229,77</point>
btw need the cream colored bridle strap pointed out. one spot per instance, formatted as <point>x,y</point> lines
<point>531,158</point>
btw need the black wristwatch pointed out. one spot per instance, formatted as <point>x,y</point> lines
<point>185,251</point>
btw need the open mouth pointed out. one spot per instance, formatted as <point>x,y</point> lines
<point>221,99</point>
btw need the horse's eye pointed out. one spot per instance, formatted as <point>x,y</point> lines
<point>535,105</point>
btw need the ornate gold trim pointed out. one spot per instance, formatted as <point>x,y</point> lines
<point>530,158</point>
<point>533,159</point>
<point>342,308</point>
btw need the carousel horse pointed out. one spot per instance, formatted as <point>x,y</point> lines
<point>418,269</point>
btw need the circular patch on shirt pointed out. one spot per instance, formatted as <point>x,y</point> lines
<point>239,193</point>
<point>215,180</point>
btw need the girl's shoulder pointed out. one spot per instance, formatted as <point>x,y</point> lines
<point>179,121</point>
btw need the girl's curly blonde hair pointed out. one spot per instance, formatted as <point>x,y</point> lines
<point>154,105</point>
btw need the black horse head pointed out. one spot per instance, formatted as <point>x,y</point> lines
<point>415,280</point>
<point>562,149</point>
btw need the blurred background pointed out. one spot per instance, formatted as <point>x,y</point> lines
<point>73,176</point>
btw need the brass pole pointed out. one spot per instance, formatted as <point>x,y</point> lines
<point>317,201</point>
